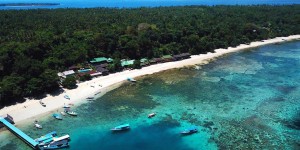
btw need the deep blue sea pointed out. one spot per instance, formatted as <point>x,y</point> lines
<point>141,3</point>
<point>244,100</point>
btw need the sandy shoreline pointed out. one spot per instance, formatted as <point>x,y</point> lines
<point>106,83</point>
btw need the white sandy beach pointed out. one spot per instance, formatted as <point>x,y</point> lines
<point>33,109</point>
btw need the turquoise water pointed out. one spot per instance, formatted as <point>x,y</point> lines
<point>141,3</point>
<point>245,100</point>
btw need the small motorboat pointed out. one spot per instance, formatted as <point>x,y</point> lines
<point>72,113</point>
<point>57,116</point>
<point>66,106</point>
<point>68,111</point>
<point>43,104</point>
<point>189,131</point>
<point>38,126</point>
<point>90,98</point>
<point>121,127</point>
<point>151,115</point>
<point>131,80</point>
<point>63,113</point>
<point>67,97</point>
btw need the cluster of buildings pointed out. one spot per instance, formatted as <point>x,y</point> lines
<point>98,66</point>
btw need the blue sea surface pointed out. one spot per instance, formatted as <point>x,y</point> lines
<point>140,3</point>
<point>244,100</point>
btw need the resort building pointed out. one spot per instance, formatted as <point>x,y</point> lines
<point>66,73</point>
<point>101,60</point>
<point>126,63</point>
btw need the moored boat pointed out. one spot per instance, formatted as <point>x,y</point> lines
<point>121,127</point>
<point>57,116</point>
<point>63,113</point>
<point>151,115</point>
<point>189,131</point>
<point>38,126</point>
<point>72,113</point>
<point>56,143</point>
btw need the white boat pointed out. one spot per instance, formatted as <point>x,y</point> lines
<point>122,127</point>
<point>57,143</point>
<point>63,113</point>
<point>68,111</point>
<point>151,115</point>
<point>38,126</point>
<point>72,113</point>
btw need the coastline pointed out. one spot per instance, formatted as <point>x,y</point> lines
<point>104,84</point>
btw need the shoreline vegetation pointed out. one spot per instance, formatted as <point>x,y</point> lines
<point>29,4</point>
<point>100,85</point>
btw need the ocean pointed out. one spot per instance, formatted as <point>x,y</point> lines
<point>139,3</point>
<point>244,100</point>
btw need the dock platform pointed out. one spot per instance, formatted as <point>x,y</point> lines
<point>28,140</point>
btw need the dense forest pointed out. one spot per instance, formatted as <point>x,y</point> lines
<point>36,44</point>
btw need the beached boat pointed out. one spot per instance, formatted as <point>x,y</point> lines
<point>131,80</point>
<point>189,131</point>
<point>121,127</point>
<point>43,104</point>
<point>67,97</point>
<point>57,116</point>
<point>66,106</point>
<point>90,98</point>
<point>56,143</point>
<point>151,115</point>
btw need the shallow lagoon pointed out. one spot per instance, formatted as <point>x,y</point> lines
<point>245,100</point>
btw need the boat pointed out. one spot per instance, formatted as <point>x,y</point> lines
<point>131,80</point>
<point>38,126</point>
<point>121,127</point>
<point>57,116</point>
<point>63,113</point>
<point>66,106</point>
<point>43,104</point>
<point>151,115</point>
<point>72,113</point>
<point>67,97</point>
<point>189,131</point>
<point>56,143</point>
<point>89,98</point>
<point>46,137</point>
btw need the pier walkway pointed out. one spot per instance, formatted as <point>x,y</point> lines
<point>28,140</point>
